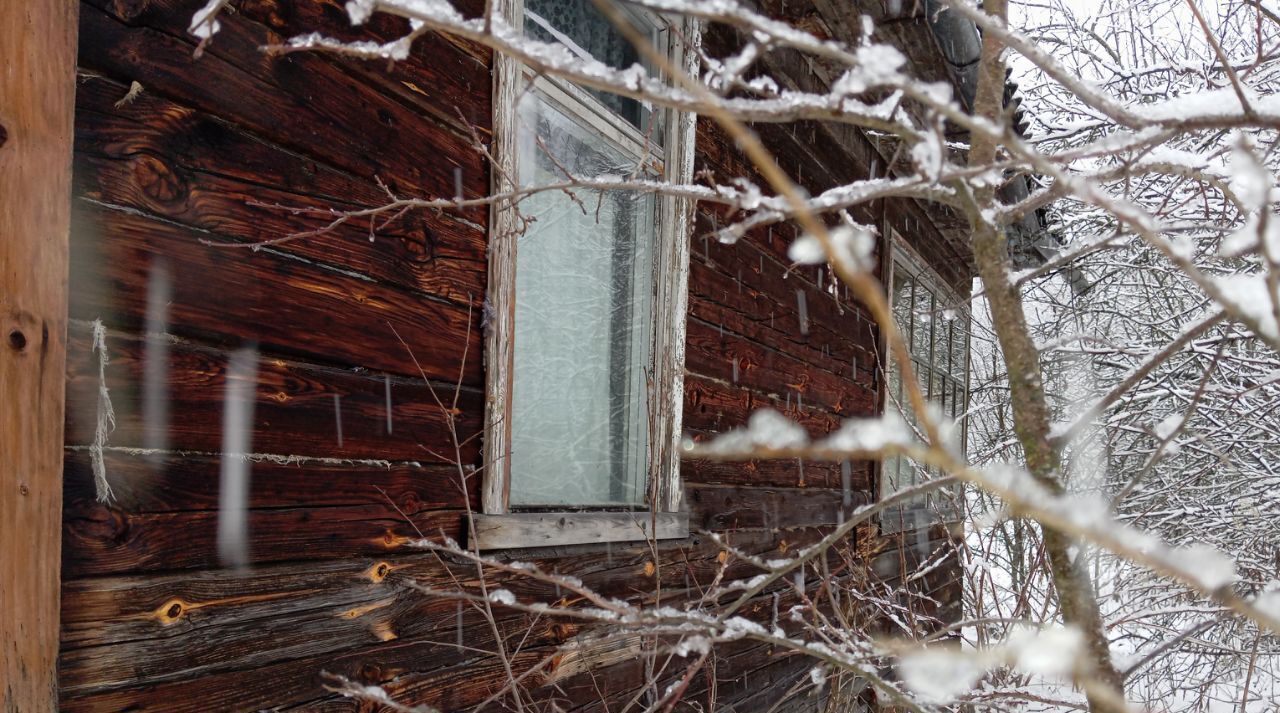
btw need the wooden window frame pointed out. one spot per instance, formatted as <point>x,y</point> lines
<point>498,526</point>
<point>907,517</point>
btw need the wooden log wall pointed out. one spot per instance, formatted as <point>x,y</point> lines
<point>184,162</point>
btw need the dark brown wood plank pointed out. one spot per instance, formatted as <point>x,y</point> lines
<point>721,508</point>
<point>285,304</point>
<point>300,101</point>
<point>714,406</point>
<point>300,408</point>
<point>444,76</point>
<point>776,473</point>
<point>840,343</point>
<point>174,483</point>
<point>710,353</point>
<point>127,633</point>
<point>171,161</point>
<point>100,540</point>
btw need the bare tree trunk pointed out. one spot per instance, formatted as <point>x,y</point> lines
<point>1030,410</point>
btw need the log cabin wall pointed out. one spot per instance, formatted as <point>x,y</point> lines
<point>180,164</point>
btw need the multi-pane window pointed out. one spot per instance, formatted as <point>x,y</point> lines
<point>587,285</point>
<point>934,321</point>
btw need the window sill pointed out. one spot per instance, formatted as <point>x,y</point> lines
<point>907,518</point>
<point>549,529</point>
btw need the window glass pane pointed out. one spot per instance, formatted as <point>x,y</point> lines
<point>890,475</point>
<point>922,318</point>
<point>923,374</point>
<point>939,348</point>
<point>584,30</point>
<point>960,346</point>
<point>902,301</point>
<point>584,284</point>
<point>946,327</point>
<point>910,476</point>
<point>895,388</point>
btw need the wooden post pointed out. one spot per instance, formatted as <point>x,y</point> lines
<point>37,107</point>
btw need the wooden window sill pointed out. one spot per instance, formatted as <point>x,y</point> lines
<point>549,529</point>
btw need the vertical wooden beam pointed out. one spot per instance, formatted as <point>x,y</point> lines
<point>500,333</point>
<point>37,107</point>
<point>675,232</point>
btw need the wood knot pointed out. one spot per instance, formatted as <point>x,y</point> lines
<point>158,180</point>
<point>419,240</point>
<point>17,340</point>
<point>649,569</point>
<point>129,9</point>
<point>99,524</point>
<point>390,540</point>
<point>561,631</point>
<point>378,572</point>
<point>171,611</point>
<point>410,502</point>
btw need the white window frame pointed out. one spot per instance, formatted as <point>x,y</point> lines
<point>901,255</point>
<point>498,526</point>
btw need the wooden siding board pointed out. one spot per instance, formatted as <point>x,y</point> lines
<point>713,406</point>
<point>121,609</point>
<point>737,508</point>
<point>286,305</point>
<point>775,473</point>
<point>124,636</point>
<point>181,175</point>
<point>176,483</point>
<point>445,77</point>
<point>728,285</point>
<point>711,353</point>
<point>106,541</point>
<point>294,413</point>
<point>300,101</point>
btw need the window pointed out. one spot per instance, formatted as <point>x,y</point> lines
<point>934,321</point>
<point>587,294</point>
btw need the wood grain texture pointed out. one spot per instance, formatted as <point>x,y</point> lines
<point>525,529</point>
<point>348,123</point>
<point>259,638</point>
<point>182,165</point>
<point>671,299</point>
<point>501,294</point>
<point>284,304</point>
<point>37,87</point>
<point>300,409</point>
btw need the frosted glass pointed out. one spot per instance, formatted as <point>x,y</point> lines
<point>583,322</point>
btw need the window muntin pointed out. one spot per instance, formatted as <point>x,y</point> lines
<point>583,321</point>
<point>934,322</point>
